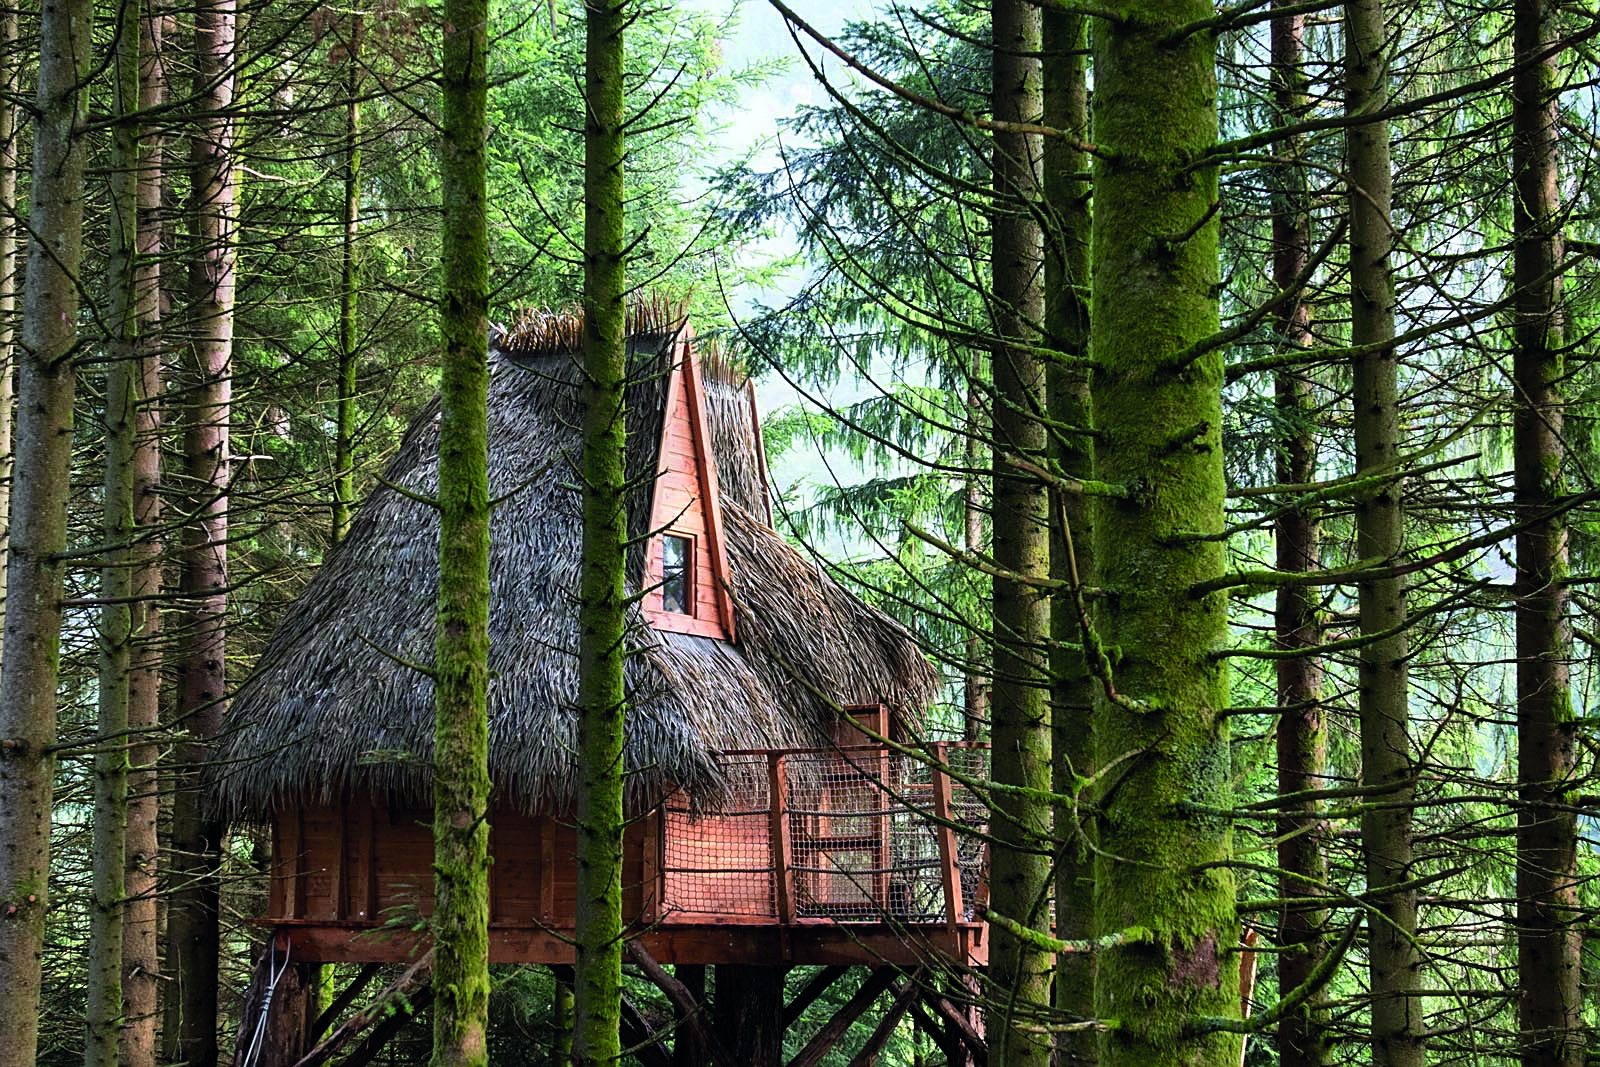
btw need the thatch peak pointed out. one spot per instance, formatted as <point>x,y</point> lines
<point>333,707</point>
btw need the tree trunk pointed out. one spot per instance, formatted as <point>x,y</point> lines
<point>104,1009</point>
<point>687,1049</point>
<point>1550,936</point>
<point>1302,738</point>
<point>194,914</point>
<point>749,1010</point>
<point>10,164</point>
<point>1162,879</point>
<point>43,444</point>
<point>1020,722</point>
<point>461,735</point>
<point>137,1041</point>
<point>602,617</point>
<point>344,476</point>
<point>1386,760</point>
<point>1066,196</point>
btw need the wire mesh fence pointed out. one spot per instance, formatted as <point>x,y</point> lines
<point>855,835</point>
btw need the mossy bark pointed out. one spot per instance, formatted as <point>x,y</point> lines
<point>1162,876</point>
<point>109,891</point>
<point>602,617</point>
<point>1301,736</point>
<point>1066,199</point>
<point>461,660</point>
<point>1549,941</point>
<point>1386,757</point>
<point>43,444</point>
<point>1019,875</point>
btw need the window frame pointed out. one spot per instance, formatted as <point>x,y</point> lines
<point>685,574</point>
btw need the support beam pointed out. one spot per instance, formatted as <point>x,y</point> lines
<point>412,989</point>
<point>684,1003</point>
<point>822,1043</point>
<point>342,1002</point>
<point>640,1039</point>
<point>905,995</point>
<point>385,1032</point>
<point>960,1026</point>
<point>819,984</point>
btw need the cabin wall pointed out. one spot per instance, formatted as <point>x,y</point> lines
<point>684,503</point>
<point>361,863</point>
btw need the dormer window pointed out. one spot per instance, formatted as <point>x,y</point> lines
<point>677,574</point>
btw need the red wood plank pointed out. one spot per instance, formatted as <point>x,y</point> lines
<point>949,871</point>
<point>778,833</point>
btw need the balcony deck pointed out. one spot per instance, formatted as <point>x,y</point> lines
<point>854,855</point>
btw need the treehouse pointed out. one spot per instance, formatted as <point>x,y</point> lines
<point>769,825</point>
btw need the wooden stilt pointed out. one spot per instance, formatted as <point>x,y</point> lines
<point>279,1008</point>
<point>687,1006</point>
<point>748,1004</point>
<point>688,1044</point>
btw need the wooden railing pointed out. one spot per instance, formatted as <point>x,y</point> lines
<point>859,833</point>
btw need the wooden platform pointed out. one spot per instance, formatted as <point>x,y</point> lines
<point>816,941</point>
<point>851,855</point>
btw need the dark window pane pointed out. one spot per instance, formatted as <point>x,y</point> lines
<point>677,565</point>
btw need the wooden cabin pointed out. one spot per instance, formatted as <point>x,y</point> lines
<point>770,826</point>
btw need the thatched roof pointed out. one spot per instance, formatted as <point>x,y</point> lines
<point>333,707</point>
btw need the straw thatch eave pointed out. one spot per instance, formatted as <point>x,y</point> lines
<point>335,706</point>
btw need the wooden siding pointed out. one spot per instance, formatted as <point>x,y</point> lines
<point>361,864</point>
<point>685,503</point>
<point>814,861</point>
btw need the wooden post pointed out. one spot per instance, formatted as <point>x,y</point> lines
<point>294,890</point>
<point>654,861</point>
<point>949,847</point>
<point>364,876</point>
<point>337,882</point>
<point>547,869</point>
<point>782,854</point>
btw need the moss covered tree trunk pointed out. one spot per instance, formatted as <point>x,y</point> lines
<point>1386,760</point>
<point>193,935</point>
<point>43,445</point>
<point>597,991</point>
<point>122,403</point>
<point>1549,935</point>
<point>1066,196</point>
<point>1019,874</point>
<point>1160,736</point>
<point>141,969</point>
<point>461,659</point>
<point>1301,737</point>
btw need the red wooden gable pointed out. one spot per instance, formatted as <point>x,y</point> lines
<point>686,504</point>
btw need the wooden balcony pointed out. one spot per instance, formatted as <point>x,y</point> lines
<point>841,856</point>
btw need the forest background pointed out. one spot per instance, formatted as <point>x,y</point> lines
<point>1216,389</point>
